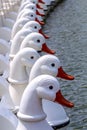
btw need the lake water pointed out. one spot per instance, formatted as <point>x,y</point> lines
<point>67,28</point>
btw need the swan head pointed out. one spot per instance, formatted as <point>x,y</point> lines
<point>30,6</point>
<point>35,27</point>
<point>50,64</point>
<point>34,8</point>
<point>47,87</point>
<point>28,56</point>
<point>33,40</point>
<point>36,41</point>
<point>35,2</point>
<point>31,15</point>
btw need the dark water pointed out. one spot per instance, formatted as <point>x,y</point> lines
<point>67,28</point>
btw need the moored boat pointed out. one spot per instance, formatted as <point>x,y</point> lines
<point>8,14</point>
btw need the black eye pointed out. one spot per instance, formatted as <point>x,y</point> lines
<point>35,27</point>
<point>32,8</point>
<point>52,64</point>
<point>50,87</point>
<point>31,15</point>
<point>38,40</point>
<point>32,57</point>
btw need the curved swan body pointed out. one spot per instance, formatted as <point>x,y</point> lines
<point>50,64</point>
<point>34,118</point>
<point>18,76</point>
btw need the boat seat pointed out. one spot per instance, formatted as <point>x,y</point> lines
<point>8,22</point>
<point>4,64</point>
<point>8,121</point>
<point>3,86</point>
<point>5,33</point>
<point>6,124</point>
<point>4,47</point>
<point>12,15</point>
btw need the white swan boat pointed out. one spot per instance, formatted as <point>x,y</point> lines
<point>9,10</point>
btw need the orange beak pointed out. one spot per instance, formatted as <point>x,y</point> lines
<point>61,100</point>
<point>37,12</point>
<point>46,49</point>
<point>40,31</point>
<point>38,6</point>
<point>62,74</point>
<point>40,22</point>
<point>41,1</point>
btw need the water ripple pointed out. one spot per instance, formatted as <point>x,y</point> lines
<point>67,28</point>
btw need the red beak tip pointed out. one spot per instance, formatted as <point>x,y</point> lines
<point>42,15</point>
<point>71,77</point>
<point>53,52</point>
<point>42,23</point>
<point>64,75</point>
<point>71,105</point>
<point>47,37</point>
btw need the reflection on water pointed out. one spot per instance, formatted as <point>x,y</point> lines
<point>67,28</point>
